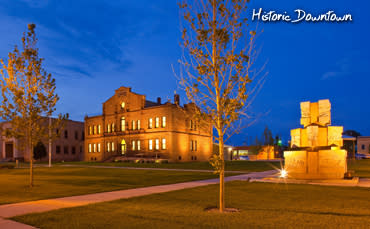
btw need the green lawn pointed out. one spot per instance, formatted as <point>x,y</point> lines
<point>361,167</point>
<point>245,166</point>
<point>67,181</point>
<point>261,205</point>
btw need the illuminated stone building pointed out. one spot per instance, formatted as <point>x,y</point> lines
<point>132,126</point>
<point>68,146</point>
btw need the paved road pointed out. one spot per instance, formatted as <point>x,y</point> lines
<point>11,210</point>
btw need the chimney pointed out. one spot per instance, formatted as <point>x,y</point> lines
<point>177,99</point>
<point>159,100</point>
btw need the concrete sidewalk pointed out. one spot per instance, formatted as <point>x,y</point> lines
<point>11,210</point>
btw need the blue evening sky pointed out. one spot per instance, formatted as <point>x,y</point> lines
<point>93,47</point>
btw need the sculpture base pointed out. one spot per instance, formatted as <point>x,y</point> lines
<point>316,165</point>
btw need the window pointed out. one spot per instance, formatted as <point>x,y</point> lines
<point>98,147</point>
<point>362,146</point>
<point>163,143</point>
<point>191,124</point>
<point>164,121</point>
<point>76,135</point>
<point>113,127</point>
<point>156,122</point>
<point>90,148</point>
<point>133,125</point>
<point>90,130</point>
<point>66,134</point>
<point>112,146</point>
<point>108,146</point>
<point>57,132</point>
<point>83,135</point>
<point>150,124</point>
<point>108,128</point>
<point>138,144</point>
<point>73,150</point>
<point>193,145</point>
<point>123,105</point>
<point>57,149</point>
<point>94,129</point>
<point>123,124</point>
<point>66,150</point>
<point>94,147</point>
<point>157,144</point>
<point>80,149</point>
<point>150,144</point>
<point>99,129</point>
<point>133,145</point>
<point>138,124</point>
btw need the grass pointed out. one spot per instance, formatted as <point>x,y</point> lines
<point>244,166</point>
<point>361,167</point>
<point>67,181</point>
<point>261,205</point>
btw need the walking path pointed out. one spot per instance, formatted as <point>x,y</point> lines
<point>148,168</point>
<point>11,210</point>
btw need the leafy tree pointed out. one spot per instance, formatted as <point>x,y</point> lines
<point>39,151</point>
<point>216,68</point>
<point>352,133</point>
<point>28,96</point>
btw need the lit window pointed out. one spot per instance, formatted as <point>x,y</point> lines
<point>133,125</point>
<point>113,127</point>
<point>138,124</point>
<point>123,124</point>
<point>98,147</point>
<point>163,121</point>
<point>108,128</point>
<point>163,143</point>
<point>150,144</point>
<point>123,105</point>
<point>90,130</point>
<point>138,144</point>
<point>94,147</point>
<point>99,129</point>
<point>89,148</point>
<point>94,129</point>
<point>108,146</point>
<point>112,146</point>
<point>150,124</point>
<point>191,145</point>
<point>157,144</point>
<point>156,122</point>
<point>133,145</point>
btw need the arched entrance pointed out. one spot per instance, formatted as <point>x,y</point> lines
<point>123,147</point>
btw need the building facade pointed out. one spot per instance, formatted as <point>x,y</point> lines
<point>363,144</point>
<point>132,126</point>
<point>68,146</point>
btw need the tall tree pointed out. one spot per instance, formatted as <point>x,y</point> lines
<point>267,137</point>
<point>216,67</point>
<point>28,96</point>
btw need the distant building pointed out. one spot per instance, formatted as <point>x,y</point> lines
<point>69,146</point>
<point>132,126</point>
<point>363,144</point>
<point>255,152</point>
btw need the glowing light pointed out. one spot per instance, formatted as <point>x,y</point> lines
<point>283,173</point>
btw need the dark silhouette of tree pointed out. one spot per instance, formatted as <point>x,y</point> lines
<point>39,151</point>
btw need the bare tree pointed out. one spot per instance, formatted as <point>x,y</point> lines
<point>216,67</point>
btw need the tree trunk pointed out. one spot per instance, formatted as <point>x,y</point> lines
<point>222,173</point>
<point>31,166</point>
